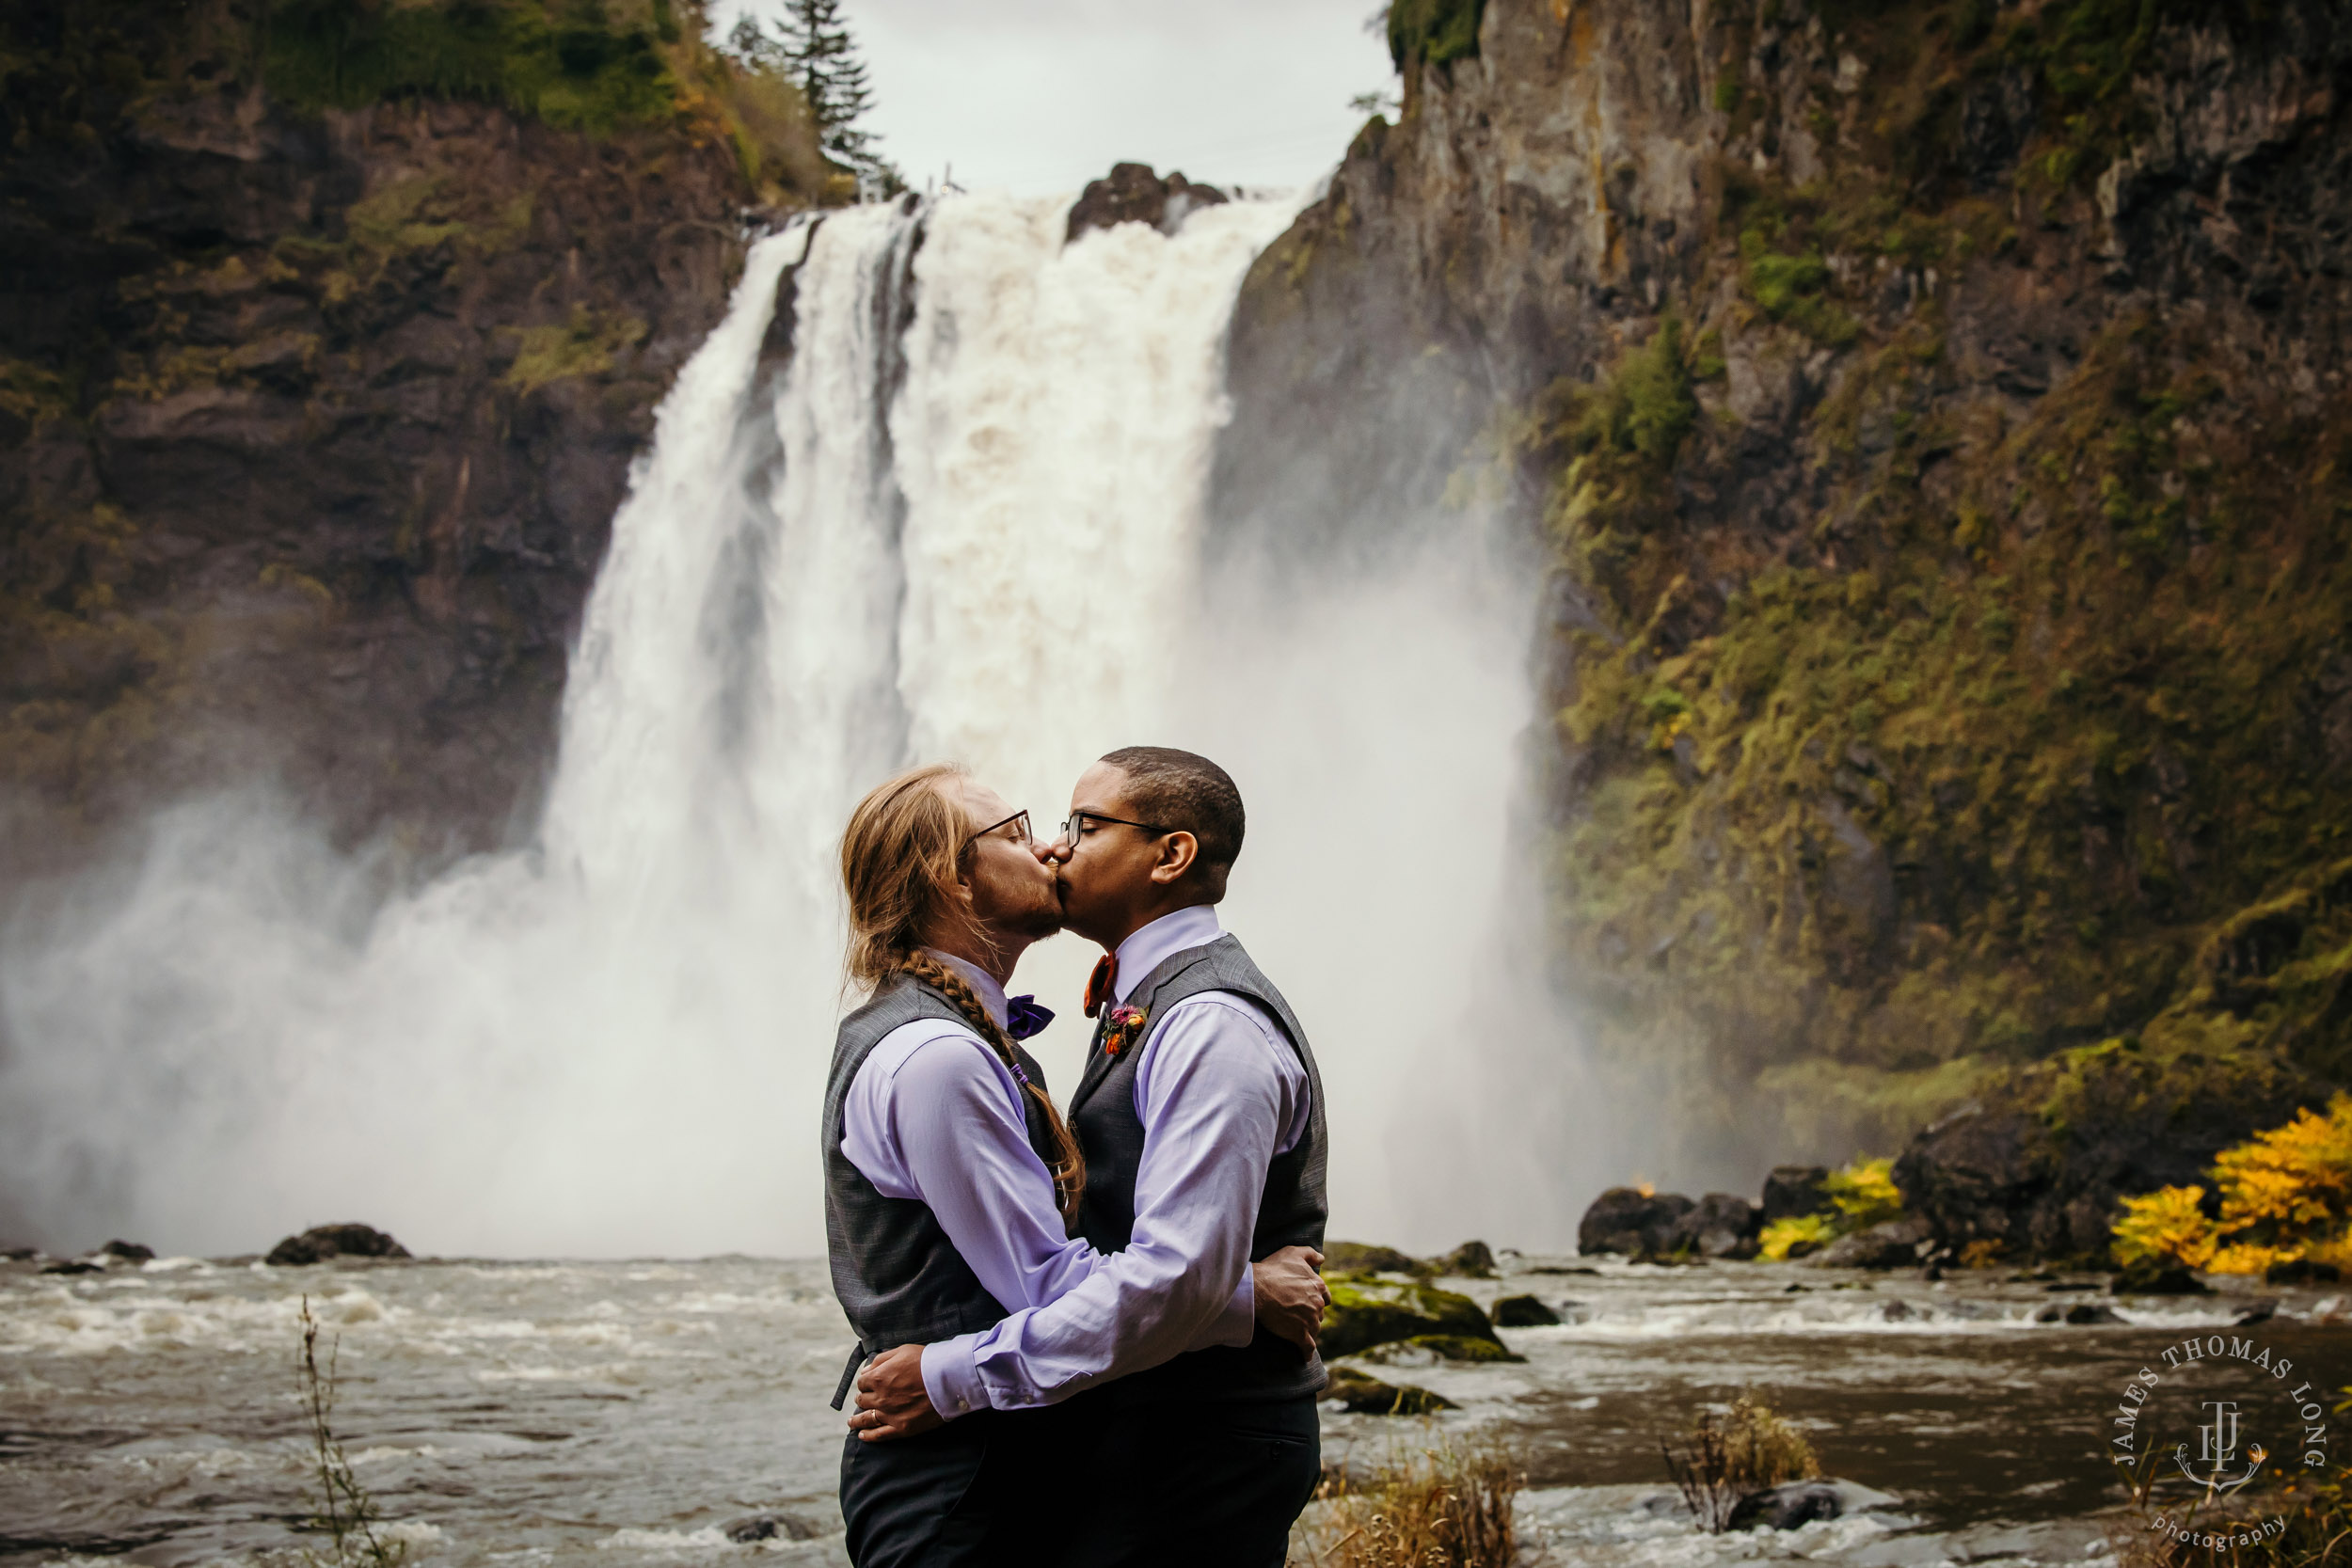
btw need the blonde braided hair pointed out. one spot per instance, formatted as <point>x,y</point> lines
<point>901,857</point>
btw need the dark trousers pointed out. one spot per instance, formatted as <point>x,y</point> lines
<point>1203,1485</point>
<point>977,1493</point>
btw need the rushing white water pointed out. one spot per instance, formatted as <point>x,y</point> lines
<point>964,521</point>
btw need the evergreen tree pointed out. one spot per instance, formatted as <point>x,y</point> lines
<point>812,48</point>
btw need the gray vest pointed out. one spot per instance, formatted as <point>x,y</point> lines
<point>1291,1210</point>
<point>898,1277</point>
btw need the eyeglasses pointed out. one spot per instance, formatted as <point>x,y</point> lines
<point>1021,817</point>
<point>1076,824</point>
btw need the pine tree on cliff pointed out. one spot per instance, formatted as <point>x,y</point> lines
<point>813,49</point>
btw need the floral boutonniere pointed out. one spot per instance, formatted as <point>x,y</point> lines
<point>1121,1030</point>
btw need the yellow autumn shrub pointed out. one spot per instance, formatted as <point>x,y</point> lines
<point>2285,1196</point>
<point>1864,1193</point>
<point>1783,1235</point>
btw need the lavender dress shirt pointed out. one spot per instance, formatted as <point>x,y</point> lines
<point>936,1115</point>
<point>1220,1092</point>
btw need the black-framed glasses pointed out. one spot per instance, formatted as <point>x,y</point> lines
<point>1078,820</point>
<point>1020,817</point>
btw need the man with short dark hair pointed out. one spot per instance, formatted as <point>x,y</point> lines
<point>1201,1115</point>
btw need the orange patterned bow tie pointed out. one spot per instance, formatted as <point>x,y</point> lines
<point>1102,982</point>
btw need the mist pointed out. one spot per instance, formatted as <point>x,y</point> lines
<point>985,542</point>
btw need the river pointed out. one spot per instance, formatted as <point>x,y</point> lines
<point>631,1412</point>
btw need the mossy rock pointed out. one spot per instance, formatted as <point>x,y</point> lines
<point>1368,1396</point>
<point>1418,1351</point>
<point>1367,1311</point>
<point>1364,1258</point>
<point>1460,1347</point>
<point>1471,1261</point>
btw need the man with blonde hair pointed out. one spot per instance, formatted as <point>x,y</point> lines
<point>950,1178</point>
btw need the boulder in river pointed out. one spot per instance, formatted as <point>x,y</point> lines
<point>18,1254</point>
<point>1368,1396</point>
<point>1894,1244</point>
<point>1364,1258</point>
<point>74,1265</point>
<point>1630,1221</point>
<point>1795,1503</point>
<point>1792,1192</point>
<point>1722,1226</point>
<point>1471,1261</point>
<point>1523,1312</point>
<point>323,1242</point>
<point>1658,1225</point>
<point>130,1252</point>
<point>770,1526</point>
<point>1134,193</point>
<point>1367,1311</point>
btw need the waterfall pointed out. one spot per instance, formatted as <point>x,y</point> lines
<point>961,516</point>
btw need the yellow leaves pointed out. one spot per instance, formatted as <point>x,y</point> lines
<point>1783,1236</point>
<point>2294,1175</point>
<point>2166,1225</point>
<point>1864,1193</point>
<point>2285,1194</point>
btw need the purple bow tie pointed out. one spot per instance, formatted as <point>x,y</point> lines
<point>1024,1017</point>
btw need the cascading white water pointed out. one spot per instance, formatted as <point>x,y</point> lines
<point>970,531</point>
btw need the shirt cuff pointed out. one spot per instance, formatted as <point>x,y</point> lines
<point>951,1378</point>
<point>1238,1324</point>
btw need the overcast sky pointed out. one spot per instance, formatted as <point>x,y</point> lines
<point>1040,96</point>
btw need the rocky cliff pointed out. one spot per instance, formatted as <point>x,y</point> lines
<point>320,382</point>
<point>1935,417</point>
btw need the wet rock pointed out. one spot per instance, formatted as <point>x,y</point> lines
<point>1523,1312</point>
<point>2002,1172</point>
<point>2260,1312</point>
<point>1795,1503</point>
<point>770,1526</point>
<point>74,1265</point>
<point>1471,1261</point>
<point>1792,1192</point>
<point>1559,1268</point>
<point>322,1242</point>
<point>1367,1311</point>
<point>1133,193</point>
<point>2301,1270</point>
<point>1722,1225</point>
<point>1630,1221</point>
<point>1361,1395</point>
<point>20,1254</point>
<point>2086,1312</point>
<point>2145,1279</point>
<point>130,1252</point>
<point>1894,1244</point>
<point>1364,1258</point>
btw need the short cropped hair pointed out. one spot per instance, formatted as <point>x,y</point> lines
<point>1170,788</point>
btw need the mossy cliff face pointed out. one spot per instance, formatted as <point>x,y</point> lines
<point>1935,416</point>
<point>313,419</point>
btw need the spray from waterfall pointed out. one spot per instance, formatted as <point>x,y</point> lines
<point>962,519</point>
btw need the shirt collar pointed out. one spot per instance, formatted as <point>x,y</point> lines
<point>1146,949</point>
<point>992,994</point>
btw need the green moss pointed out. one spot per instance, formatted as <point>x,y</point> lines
<point>586,345</point>
<point>1367,1311</point>
<point>573,63</point>
<point>1435,32</point>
